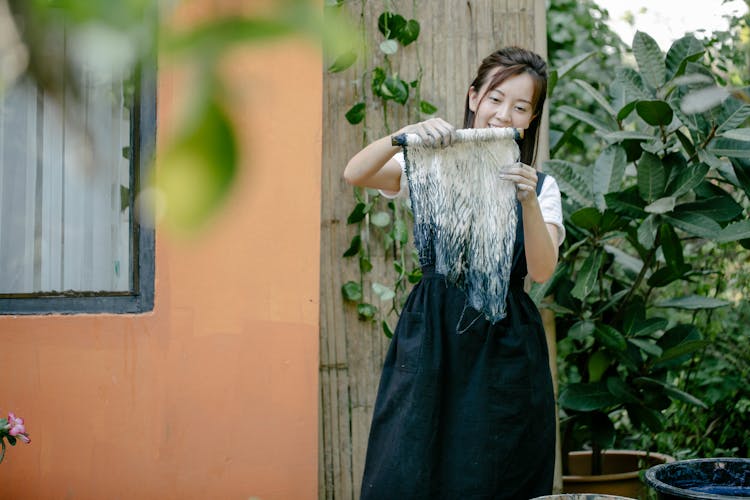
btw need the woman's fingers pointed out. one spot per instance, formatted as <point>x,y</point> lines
<point>523,176</point>
<point>434,131</point>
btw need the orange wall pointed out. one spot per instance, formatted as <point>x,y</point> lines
<point>213,395</point>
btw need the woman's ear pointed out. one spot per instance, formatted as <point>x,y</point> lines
<point>473,99</point>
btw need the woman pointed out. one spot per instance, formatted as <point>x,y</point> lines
<point>470,413</point>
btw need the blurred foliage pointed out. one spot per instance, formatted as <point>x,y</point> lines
<point>575,30</point>
<point>196,170</point>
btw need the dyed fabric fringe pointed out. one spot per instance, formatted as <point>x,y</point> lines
<point>464,214</point>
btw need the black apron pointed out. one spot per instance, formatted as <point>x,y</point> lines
<point>465,407</point>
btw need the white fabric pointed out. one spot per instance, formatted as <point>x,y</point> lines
<point>549,198</point>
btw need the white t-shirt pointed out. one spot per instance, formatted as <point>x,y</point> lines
<point>549,198</point>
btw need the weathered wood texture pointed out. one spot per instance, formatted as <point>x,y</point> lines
<point>454,37</point>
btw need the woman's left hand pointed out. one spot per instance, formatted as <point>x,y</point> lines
<point>525,179</point>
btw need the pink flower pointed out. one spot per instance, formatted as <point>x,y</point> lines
<point>17,429</point>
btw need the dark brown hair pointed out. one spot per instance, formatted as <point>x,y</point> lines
<point>514,61</point>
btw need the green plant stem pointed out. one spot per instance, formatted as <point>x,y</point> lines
<point>704,144</point>
<point>638,280</point>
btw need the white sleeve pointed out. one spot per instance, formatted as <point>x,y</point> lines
<point>550,203</point>
<point>404,185</point>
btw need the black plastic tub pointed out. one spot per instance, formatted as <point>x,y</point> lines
<point>704,478</point>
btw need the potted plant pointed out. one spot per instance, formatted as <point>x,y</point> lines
<point>673,165</point>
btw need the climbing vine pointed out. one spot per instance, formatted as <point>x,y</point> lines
<point>379,220</point>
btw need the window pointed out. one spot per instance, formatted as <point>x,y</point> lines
<point>70,238</point>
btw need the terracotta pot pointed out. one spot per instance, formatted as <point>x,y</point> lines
<point>620,472</point>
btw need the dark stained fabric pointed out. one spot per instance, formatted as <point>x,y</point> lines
<point>465,408</point>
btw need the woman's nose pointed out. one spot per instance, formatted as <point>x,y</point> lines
<point>503,113</point>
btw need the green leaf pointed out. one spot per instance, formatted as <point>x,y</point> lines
<point>365,266</point>
<point>648,326</point>
<point>571,183</point>
<point>692,302</point>
<point>735,232</point>
<point>409,32</point>
<point>655,113</point>
<point>682,51</point>
<point>582,330</point>
<point>586,278</point>
<point>342,62</point>
<point>686,347</point>
<point>400,231</point>
<point>358,213</point>
<point>586,397</point>
<point>686,142</point>
<point>366,311</point>
<point>391,24</point>
<point>415,276</point>
<point>671,246</point>
<point>742,173</point>
<point>623,135</point>
<point>632,86</point>
<point>558,140</point>
<point>737,118</point>
<point>646,231</point>
<point>609,171</point>
<point>666,275</point>
<point>352,291</point>
<point>378,80</point>
<point>687,179</point>
<point>733,150</point>
<point>625,112</point>
<point>587,118</point>
<point>573,63</point>
<point>380,219</point>
<point>598,97</point>
<point>356,113</point>
<point>643,417</point>
<point>427,108</point>
<point>387,329</point>
<point>557,73</point>
<point>396,89</point>
<point>719,208</point>
<point>197,171</point>
<point>652,177</point>
<point>388,47</point>
<point>662,205</point>
<point>621,391</point>
<point>587,218</point>
<point>695,224</point>
<point>650,59</point>
<point>610,337</point>
<point>647,346</point>
<point>354,246</point>
<point>672,391</point>
<point>740,134</point>
<point>627,203</point>
<point>385,293</point>
<point>597,365</point>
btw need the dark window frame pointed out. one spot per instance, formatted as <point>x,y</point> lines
<point>140,298</point>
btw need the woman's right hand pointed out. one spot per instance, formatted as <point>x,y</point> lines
<point>435,132</point>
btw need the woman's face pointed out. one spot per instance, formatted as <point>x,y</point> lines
<point>507,105</point>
